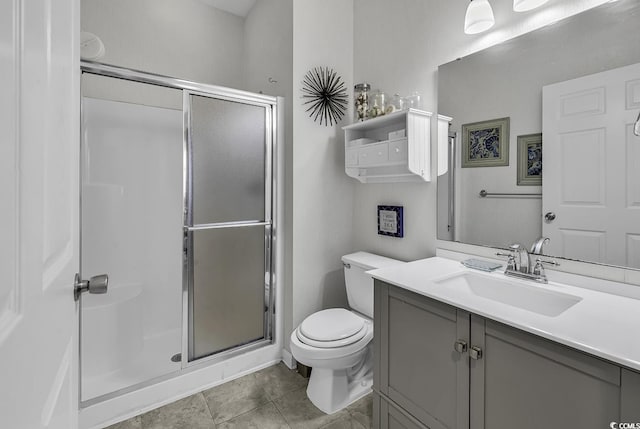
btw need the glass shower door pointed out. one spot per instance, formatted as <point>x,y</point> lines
<point>227,223</point>
<point>131,202</point>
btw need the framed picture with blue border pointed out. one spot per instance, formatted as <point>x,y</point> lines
<point>530,160</point>
<point>486,143</point>
<point>390,221</point>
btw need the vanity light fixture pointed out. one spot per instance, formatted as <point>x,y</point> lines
<point>479,17</point>
<point>525,5</point>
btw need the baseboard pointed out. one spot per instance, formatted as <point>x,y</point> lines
<point>288,359</point>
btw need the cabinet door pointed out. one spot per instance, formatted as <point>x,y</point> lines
<point>417,366</point>
<point>392,417</point>
<point>527,382</point>
<point>630,396</point>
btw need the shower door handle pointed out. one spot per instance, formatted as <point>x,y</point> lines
<point>96,284</point>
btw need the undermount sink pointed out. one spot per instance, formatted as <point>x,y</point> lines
<point>514,293</point>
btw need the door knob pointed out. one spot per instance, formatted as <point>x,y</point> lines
<point>96,284</point>
<point>550,216</point>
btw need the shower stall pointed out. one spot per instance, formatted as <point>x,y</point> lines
<point>178,207</point>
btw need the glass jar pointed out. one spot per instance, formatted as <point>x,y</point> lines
<point>377,105</point>
<point>361,97</point>
<point>396,104</point>
<point>414,101</point>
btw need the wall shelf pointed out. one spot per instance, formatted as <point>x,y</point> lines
<point>373,156</point>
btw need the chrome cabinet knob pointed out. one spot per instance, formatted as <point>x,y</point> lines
<point>460,346</point>
<point>550,216</point>
<point>475,353</point>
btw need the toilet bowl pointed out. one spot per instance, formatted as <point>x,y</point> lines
<point>336,343</point>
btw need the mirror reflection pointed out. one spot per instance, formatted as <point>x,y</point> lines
<point>542,140</point>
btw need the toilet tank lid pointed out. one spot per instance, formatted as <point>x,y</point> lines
<point>369,261</point>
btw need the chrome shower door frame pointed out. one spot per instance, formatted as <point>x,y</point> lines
<point>270,106</point>
<point>271,138</point>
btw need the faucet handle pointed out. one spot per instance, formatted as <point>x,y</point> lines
<point>511,262</point>
<point>515,247</point>
<point>538,269</point>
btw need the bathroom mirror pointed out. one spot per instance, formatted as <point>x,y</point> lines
<point>582,169</point>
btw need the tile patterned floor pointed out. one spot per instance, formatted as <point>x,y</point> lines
<point>274,397</point>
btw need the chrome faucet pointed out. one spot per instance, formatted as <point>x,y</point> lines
<point>536,247</point>
<point>523,260</point>
<point>519,263</point>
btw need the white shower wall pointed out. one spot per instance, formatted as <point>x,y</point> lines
<point>131,230</point>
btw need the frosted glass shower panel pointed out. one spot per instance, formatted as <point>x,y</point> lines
<point>228,148</point>
<point>230,293</point>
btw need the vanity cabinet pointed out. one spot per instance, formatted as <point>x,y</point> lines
<point>391,148</point>
<point>503,378</point>
<point>416,366</point>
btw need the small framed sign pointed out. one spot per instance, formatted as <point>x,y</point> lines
<point>390,221</point>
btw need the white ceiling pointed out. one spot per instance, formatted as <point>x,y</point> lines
<point>236,7</point>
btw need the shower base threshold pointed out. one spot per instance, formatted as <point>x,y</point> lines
<point>154,361</point>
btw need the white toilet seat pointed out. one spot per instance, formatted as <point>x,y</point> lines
<point>311,355</point>
<point>331,344</point>
<point>335,327</point>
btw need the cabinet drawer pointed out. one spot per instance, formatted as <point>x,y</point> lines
<point>351,158</point>
<point>398,150</point>
<point>373,154</point>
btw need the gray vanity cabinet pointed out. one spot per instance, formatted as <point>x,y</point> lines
<point>504,378</point>
<point>416,366</point>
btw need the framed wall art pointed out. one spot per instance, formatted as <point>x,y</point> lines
<point>486,143</point>
<point>390,221</point>
<point>530,160</point>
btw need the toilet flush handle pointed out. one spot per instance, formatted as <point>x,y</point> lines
<point>346,265</point>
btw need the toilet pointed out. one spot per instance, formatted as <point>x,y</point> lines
<point>336,343</point>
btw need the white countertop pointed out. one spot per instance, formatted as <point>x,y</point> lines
<point>601,324</point>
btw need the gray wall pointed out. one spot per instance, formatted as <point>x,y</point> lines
<point>185,38</point>
<point>322,193</point>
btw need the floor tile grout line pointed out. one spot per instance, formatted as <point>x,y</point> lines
<point>281,414</point>
<point>208,409</point>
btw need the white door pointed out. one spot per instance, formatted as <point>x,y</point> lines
<point>39,122</point>
<point>591,180</point>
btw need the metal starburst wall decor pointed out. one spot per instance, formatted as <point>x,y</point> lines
<point>325,94</point>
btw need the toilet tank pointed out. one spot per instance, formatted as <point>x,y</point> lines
<point>359,284</point>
